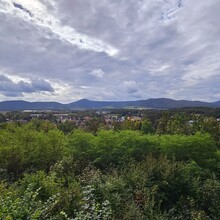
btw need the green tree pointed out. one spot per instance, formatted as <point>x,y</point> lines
<point>147,127</point>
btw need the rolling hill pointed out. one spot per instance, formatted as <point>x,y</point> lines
<point>160,103</point>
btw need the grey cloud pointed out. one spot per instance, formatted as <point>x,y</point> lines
<point>42,85</point>
<point>12,94</point>
<point>174,56</point>
<point>19,6</point>
<point>4,79</point>
<point>129,86</point>
<point>11,88</point>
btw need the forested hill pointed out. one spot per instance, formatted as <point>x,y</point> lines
<point>160,103</point>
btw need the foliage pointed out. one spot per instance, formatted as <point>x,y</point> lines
<point>91,209</point>
<point>27,206</point>
<point>23,149</point>
<point>109,174</point>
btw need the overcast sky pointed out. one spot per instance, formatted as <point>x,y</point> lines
<point>65,50</point>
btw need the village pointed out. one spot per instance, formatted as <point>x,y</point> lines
<point>79,119</point>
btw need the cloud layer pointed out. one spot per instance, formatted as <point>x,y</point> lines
<point>14,88</point>
<point>109,50</point>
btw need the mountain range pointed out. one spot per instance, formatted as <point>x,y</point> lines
<point>159,103</point>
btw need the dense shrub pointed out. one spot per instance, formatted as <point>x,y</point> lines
<point>46,174</point>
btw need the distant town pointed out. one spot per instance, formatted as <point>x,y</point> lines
<point>116,119</point>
